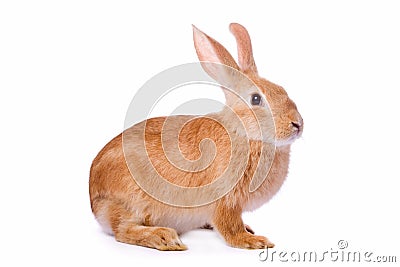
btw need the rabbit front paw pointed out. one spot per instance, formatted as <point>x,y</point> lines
<point>250,241</point>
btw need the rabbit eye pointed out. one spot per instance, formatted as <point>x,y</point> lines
<point>256,100</point>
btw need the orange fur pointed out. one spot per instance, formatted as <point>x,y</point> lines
<point>123,208</point>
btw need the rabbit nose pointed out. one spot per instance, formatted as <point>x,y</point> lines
<point>297,125</point>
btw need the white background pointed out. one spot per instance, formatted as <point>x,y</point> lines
<point>68,71</point>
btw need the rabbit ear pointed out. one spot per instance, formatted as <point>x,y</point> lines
<point>209,50</point>
<point>245,51</point>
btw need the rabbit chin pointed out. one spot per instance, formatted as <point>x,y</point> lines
<point>285,141</point>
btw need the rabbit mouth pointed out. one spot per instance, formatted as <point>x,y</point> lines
<point>289,140</point>
<point>297,134</point>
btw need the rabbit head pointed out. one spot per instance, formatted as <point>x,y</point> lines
<point>264,108</point>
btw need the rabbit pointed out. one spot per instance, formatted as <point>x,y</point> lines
<point>207,147</point>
